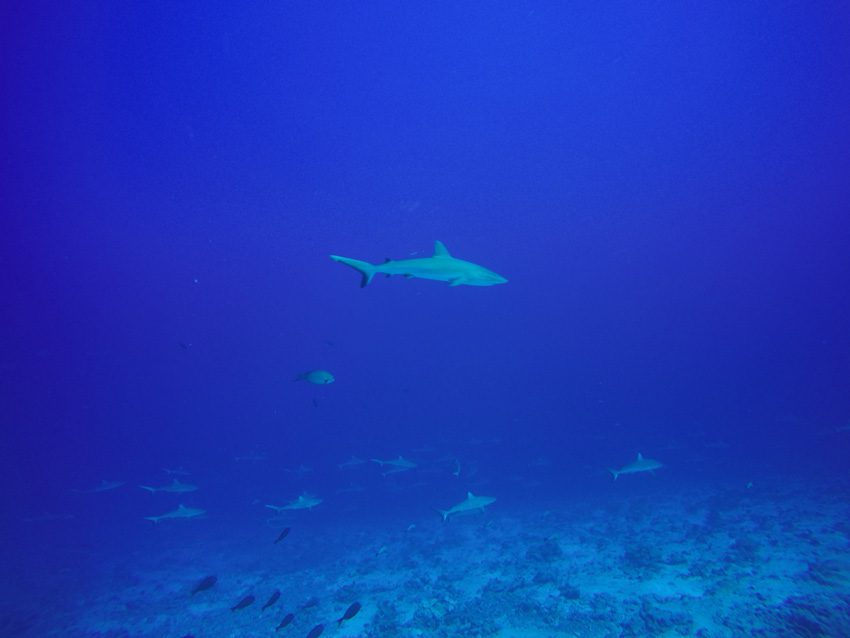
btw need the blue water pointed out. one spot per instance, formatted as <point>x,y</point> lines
<point>665,187</point>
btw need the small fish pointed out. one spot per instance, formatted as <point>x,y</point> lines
<point>242,604</point>
<point>286,620</point>
<point>317,377</point>
<point>311,602</point>
<point>350,613</point>
<point>281,536</point>
<point>271,600</point>
<point>316,631</point>
<point>204,584</point>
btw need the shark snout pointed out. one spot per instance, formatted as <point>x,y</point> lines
<point>491,279</point>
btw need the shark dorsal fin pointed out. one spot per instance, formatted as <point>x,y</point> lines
<point>470,495</point>
<point>640,456</point>
<point>440,249</point>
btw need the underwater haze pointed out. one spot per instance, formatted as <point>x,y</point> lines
<point>579,365</point>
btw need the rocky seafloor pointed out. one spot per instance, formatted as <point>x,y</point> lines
<point>764,560</point>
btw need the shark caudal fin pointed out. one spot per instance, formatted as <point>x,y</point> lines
<point>148,488</point>
<point>155,519</point>
<point>444,514</point>
<point>614,473</point>
<point>366,270</point>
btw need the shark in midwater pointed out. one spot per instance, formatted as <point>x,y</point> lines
<point>441,266</point>
<point>472,503</point>
<point>351,463</point>
<point>175,487</point>
<point>103,486</point>
<point>303,502</point>
<point>181,512</point>
<point>400,464</point>
<point>177,471</point>
<point>640,464</point>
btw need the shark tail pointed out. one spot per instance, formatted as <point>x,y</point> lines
<point>366,270</point>
<point>155,519</point>
<point>149,489</point>
<point>444,514</point>
<point>614,473</point>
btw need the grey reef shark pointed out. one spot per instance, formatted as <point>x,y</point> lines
<point>441,266</point>
<point>304,502</point>
<point>351,463</point>
<point>181,512</point>
<point>400,464</point>
<point>640,464</point>
<point>175,487</point>
<point>472,503</point>
<point>103,486</point>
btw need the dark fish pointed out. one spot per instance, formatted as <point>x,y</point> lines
<point>311,602</point>
<point>286,620</point>
<point>271,600</point>
<point>204,583</point>
<point>242,604</point>
<point>316,631</point>
<point>350,613</point>
<point>282,535</point>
